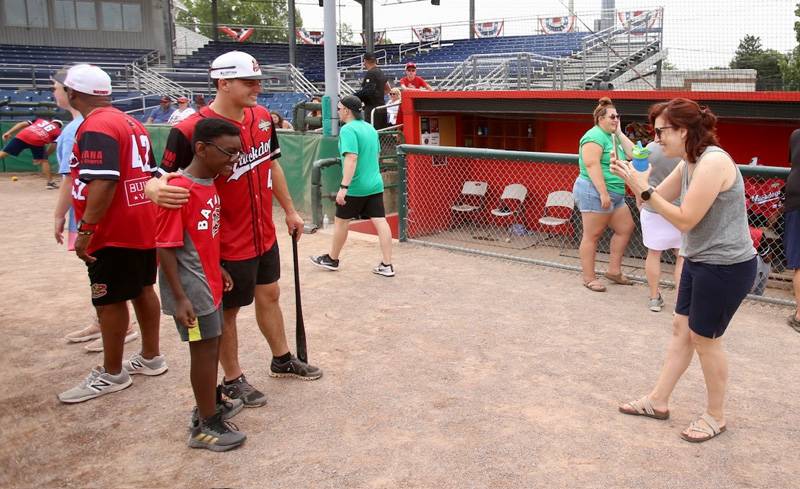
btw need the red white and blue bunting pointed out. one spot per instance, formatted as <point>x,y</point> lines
<point>557,25</point>
<point>489,29</point>
<point>647,18</point>
<point>310,37</point>
<point>377,36</point>
<point>239,35</point>
<point>428,34</point>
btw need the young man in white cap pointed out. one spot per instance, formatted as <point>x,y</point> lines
<point>182,112</point>
<point>249,248</point>
<point>116,230</point>
<point>361,192</point>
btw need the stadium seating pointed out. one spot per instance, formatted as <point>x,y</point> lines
<point>553,45</point>
<point>56,55</point>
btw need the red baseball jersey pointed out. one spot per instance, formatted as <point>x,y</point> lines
<point>111,145</point>
<point>246,194</point>
<point>40,132</point>
<point>194,229</point>
<point>764,196</point>
<point>417,82</point>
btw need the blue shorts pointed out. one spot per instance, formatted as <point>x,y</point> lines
<point>711,294</point>
<point>17,146</point>
<point>587,198</point>
<point>791,239</point>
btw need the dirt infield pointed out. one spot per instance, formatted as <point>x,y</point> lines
<point>461,372</point>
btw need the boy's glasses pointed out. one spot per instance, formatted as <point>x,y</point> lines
<point>233,156</point>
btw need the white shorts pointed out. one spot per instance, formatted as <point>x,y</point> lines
<point>657,233</point>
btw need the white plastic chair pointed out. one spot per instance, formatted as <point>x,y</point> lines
<point>559,198</point>
<point>515,191</point>
<point>471,198</point>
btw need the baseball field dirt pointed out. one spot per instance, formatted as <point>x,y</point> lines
<point>460,372</point>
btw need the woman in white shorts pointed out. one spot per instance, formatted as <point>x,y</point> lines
<point>657,233</point>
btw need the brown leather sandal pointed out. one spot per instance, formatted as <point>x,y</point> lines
<point>595,286</point>
<point>619,279</point>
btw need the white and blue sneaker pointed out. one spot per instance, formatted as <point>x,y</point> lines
<point>98,383</point>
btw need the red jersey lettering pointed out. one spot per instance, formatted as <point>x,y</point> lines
<point>40,132</point>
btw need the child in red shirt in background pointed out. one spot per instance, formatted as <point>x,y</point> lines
<point>34,134</point>
<point>192,279</point>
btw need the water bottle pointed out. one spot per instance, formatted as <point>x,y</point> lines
<point>325,221</point>
<point>640,157</point>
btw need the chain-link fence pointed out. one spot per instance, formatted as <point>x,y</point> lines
<point>519,206</point>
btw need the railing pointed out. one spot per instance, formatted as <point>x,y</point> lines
<point>153,82</point>
<point>435,211</point>
<point>381,55</point>
<point>37,75</point>
<point>503,71</point>
<point>416,47</point>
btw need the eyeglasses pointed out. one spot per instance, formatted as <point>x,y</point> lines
<point>659,130</point>
<point>233,156</point>
<point>614,117</point>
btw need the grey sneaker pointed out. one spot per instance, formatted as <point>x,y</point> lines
<point>96,384</point>
<point>294,367</point>
<point>227,408</point>
<point>325,261</point>
<point>240,388</point>
<point>384,269</point>
<point>216,435</point>
<point>656,304</point>
<point>140,365</point>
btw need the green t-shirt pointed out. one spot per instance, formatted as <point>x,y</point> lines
<point>360,138</point>
<point>603,139</point>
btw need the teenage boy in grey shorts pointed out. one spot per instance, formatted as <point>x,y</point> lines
<point>192,279</point>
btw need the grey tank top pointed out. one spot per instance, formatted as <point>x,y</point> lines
<point>722,237</point>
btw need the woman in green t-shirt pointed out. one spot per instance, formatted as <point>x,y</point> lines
<point>600,195</point>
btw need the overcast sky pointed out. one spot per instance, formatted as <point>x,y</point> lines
<point>698,33</point>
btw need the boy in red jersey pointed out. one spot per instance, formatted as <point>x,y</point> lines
<point>116,238</point>
<point>34,135</point>
<point>249,248</point>
<point>192,279</point>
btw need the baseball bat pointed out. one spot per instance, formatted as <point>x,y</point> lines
<point>300,327</point>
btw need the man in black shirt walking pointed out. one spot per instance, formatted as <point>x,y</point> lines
<point>373,88</point>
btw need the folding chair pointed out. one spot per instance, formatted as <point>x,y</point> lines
<point>469,202</point>
<point>512,202</point>
<point>556,203</point>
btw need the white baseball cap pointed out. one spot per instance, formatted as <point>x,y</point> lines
<point>235,64</point>
<point>88,79</point>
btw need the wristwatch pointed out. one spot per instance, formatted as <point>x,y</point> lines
<point>86,229</point>
<point>344,186</point>
<point>647,193</point>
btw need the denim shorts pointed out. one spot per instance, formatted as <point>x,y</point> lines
<point>587,198</point>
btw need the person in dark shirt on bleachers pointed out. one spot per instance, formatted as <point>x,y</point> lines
<point>373,89</point>
<point>162,113</point>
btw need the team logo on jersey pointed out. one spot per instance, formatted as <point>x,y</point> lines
<point>264,125</point>
<point>250,160</point>
<point>134,191</point>
<point>99,290</point>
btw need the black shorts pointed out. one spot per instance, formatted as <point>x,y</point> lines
<point>246,274</point>
<point>120,274</point>
<point>17,146</point>
<point>361,207</point>
<point>711,294</point>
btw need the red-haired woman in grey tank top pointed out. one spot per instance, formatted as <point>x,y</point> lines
<point>720,263</point>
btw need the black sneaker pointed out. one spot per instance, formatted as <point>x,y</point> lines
<point>216,435</point>
<point>51,185</point>
<point>240,388</point>
<point>227,408</point>
<point>325,261</point>
<point>294,367</point>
